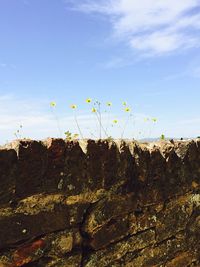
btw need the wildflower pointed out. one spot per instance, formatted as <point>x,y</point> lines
<point>73,106</point>
<point>76,136</point>
<point>127,109</point>
<point>124,103</point>
<point>94,110</point>
<point>115,121</point>
<point>88,100</point>
<point>109,104</point>
<point>52,104</point>
<point>154,119</point>
<point>146,119</point>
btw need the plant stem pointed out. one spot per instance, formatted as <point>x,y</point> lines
<point>58,126</point>
<point>100,124</point>
<point>93,135</point>
<point>125,125</point>
<point>133,123</point>
<point>107,124</point>
<point>77,124</point>
<point>57,122</point>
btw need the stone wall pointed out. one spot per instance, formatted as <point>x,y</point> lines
<point>95,204</point>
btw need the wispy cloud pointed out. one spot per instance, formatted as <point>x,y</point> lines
<point>14,111</point>
<point>5,65</point>
<point>192,70</point>
<point>151,27</point>
<point>117,62</point>
<point>190,121</point>
<point>196,72</point>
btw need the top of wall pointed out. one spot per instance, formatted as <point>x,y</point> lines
<point>151,171</point>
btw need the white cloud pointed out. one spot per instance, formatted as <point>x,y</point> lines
<point>151,26</point>
<point>158,42</point>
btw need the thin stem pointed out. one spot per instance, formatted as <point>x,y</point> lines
<point>77,124</point>
<point>18,133</point>
<point>58,126</point>
<point>125,125</point>
<point>15,134</point>
<point>93,135</point>
<point>133,123</point>
<point>99,119</point>
<point>108,120</point>
<point>100,124</point>
<point>57,123</point>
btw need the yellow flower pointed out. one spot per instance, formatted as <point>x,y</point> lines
<point>154,120</point>
<point>53,104</point>
<point>127,109</point>
<point>88,100</point>
<point>76,136</point>
<point>109,104</point>
<point>94,110</point>
<point>115,121</point>
<point>124,103</point>
<point>73,106</point>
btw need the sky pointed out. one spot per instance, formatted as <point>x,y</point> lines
<point>146,53</point>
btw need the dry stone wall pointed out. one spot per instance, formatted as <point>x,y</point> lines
<point>100,203</point>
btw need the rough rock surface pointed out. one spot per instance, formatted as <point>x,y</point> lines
<point>99,203</point>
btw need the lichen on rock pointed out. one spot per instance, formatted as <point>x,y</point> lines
<point>100,203</point>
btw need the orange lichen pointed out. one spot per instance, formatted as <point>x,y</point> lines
<point>26,253</point>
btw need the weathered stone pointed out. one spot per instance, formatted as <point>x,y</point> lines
<point>193,232</point>
<point>174,217</point>
<point>24,254</point>
<point>55,161</point>
<point>73,260</point>
<point>113,231</point>
<point>156,255</point>
<point>108,209</point>
<point>114,253</point>
<point>74,179</point>
<point>145,220</point>
<point>22,226</point>
<point>100,203</point>
<point>61,243</point>
<point>8,170</point>
<point>127,178</point>
<point>142,159</point>
<point>32,163</point>
<point>182,259</point>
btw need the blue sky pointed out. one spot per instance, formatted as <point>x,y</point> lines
<point>144,52</point>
